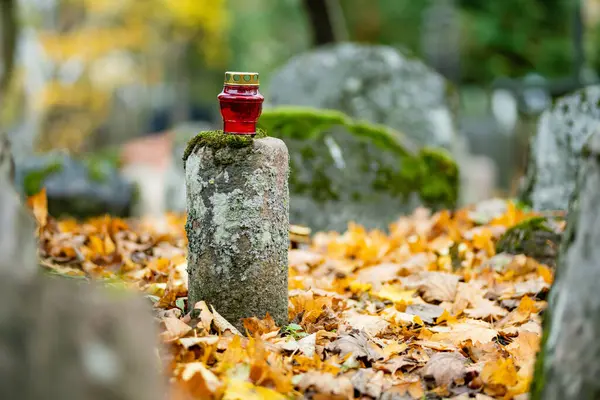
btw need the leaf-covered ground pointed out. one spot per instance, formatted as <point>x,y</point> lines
<point>427,311</point>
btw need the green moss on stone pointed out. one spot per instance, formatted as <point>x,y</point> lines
<point>534,237</point>
<point>300,122</point>
<point>218,140</point>
<point>432,173</point>
<point>512,240</point>
<point>439,179</point>
<point>34,180</point>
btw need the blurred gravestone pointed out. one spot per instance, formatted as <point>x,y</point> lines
<point>175,182</point>
<point>333,175</point>
<point>378,175</point>
<point>60,339</point>
<point>555,153</point>
<point>79,188</point>
<point>567,365</point>
<point>375,83</point>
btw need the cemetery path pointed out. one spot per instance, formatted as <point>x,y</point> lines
<point>428,310</point>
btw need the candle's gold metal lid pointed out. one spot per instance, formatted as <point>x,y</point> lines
<point>241,78</point>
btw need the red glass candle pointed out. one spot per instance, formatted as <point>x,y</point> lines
<point>241,103</point>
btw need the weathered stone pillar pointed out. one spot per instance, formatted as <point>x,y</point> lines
<point>238,225</point>
<point>568,364</point>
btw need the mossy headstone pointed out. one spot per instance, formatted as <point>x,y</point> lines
<point>75,187</point>
<point>342,174</point>
<point>378,84</point>
<point>378,175</point>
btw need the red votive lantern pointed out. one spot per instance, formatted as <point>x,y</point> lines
<point>241,103</point>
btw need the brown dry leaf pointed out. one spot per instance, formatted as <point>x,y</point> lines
<point>369,383</point>
<point>519,315</point>
<point>175,329</point>
<point>327,384</point>
<point>531,287</point>
<point>222,324</point>
<point>199,380</point>
<point>257,326</point>
<point>357,344</point>
<point>468,329</point>
<point>406,390</point>
<point>427,312</point>
<point>396,363</point>
<point>486,309</point>
<point>378,274</point>
<point>394,348</point>
<point>478,396</point>
<point>438,286</point>
<point>524,348</point>
<point>371,324</point>
<point>445,368</point>
<point>206,317</point>
<point>467,294</point>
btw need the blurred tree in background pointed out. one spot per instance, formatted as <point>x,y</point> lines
<point>102,53</point>
<point>513,37</point>
<point>112,66</point>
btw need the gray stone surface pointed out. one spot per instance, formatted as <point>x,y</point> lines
<point>77,188</point>
<point>69,341</point>
<point>375,83</point>
<point>238,229</point>
<point>64,340</point>
<point>331,187</point>
<point>341,177</point>
<point>555,154</point>
<point>568,367</point>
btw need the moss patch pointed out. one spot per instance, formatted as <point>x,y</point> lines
<point>534,237</point>
<point>217,140</point>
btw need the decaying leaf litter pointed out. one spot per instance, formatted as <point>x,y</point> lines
<point>426,311</point>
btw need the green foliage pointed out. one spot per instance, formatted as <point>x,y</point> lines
<point>495,39</point>
<point>34,181</point>
<point>501,42</point>
<point>295,331</point>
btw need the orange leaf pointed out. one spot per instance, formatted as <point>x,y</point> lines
<point>546,274</point>
<point>96,245</point>
<point>39,205</point>
<point>500,372</point>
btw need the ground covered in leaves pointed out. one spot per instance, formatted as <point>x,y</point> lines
<point>428,311</point>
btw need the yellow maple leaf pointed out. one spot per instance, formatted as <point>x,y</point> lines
<point>243,390</point>
<point>500,372</point>
<point>396,294</point>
